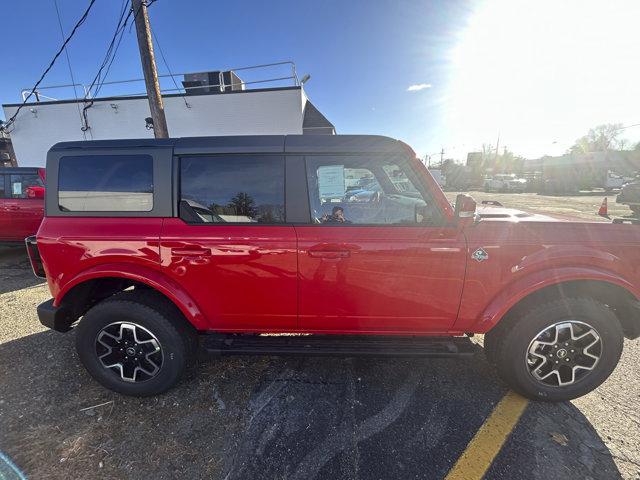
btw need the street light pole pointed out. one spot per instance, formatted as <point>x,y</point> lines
<point>143,32</point>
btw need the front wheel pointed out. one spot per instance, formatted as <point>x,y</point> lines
<point>559,350</point>
<point>134,346</point>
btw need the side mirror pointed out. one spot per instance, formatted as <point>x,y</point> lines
<point>35,192</point>
<point>465,209</point>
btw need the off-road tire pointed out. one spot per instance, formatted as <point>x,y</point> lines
<point>146,308</point>
<point>506,346</point>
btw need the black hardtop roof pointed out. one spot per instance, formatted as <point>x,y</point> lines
<point>252,144</point>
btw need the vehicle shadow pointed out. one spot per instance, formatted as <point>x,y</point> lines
<point>15,271</point>
<point>277,417</point>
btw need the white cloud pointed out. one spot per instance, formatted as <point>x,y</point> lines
<point>418,86</point>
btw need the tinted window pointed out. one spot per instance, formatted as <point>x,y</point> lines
<point>232,189</point>
<point>18,184</point>
<point>106,183</point>
<point>2,186</point>
<point>368,190</point>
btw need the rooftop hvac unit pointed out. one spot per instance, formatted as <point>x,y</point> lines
<point>212,82</point>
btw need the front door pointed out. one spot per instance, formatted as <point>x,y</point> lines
<point>230,248</point>
<point>378,256</point>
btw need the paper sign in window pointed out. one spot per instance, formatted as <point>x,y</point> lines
<point>331,181</point>
<point>16,188</point>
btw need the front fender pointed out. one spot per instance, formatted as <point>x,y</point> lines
<point>148,276</point>
<point>525,286</point>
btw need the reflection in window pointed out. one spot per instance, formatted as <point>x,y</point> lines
<point>111,183</point>
<point>367,190</point>
<point>232,189</point>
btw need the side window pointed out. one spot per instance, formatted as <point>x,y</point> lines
<point>18,184</point>
<point>2,192</point>
<point>368,190</point>
<point>232,189</point>
<point>106,183</point>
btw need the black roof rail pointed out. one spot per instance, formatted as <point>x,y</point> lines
<point>252,143</point>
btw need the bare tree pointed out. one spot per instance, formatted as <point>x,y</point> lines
<point>599,139</point>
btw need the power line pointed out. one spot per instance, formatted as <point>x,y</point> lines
<point>149,69</point>
<point>109,58</point>
<point>628,126</point>
<point>135,17</point>
<point>110,49</point>
<point>66,52</point>
<point>166,64</point>
<point>113,56</point>
<point>35,87</point>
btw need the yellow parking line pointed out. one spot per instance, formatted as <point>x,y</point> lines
<point>487,442</point>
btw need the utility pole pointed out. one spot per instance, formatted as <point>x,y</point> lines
<point>441,156</point>
<point>143,32</point>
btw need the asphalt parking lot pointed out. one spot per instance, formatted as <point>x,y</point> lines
<point>296,418</point>
<point>584,205</point>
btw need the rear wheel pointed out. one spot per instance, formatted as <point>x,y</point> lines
<point>132,347</point>
<point>559,350</point>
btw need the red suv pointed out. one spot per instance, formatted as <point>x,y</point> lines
<point>21,202</point>
<point>340,245</point>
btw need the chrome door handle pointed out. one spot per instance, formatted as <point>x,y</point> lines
<point>329,253</point>
<point>191,252</point>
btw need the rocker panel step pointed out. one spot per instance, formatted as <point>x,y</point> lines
<point>338,345</point>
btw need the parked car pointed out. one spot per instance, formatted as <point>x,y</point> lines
<point>560,186</point>
<point>21,203</point>
<point>614,181</point>
<point>286,250</point>
<point>630,195</point>
<point>503,182</point>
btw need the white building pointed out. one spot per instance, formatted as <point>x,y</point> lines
<point>210,103</point>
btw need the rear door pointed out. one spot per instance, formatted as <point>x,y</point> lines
<point>378,256</point>
<point>24,213</point>
<point>231,247</point>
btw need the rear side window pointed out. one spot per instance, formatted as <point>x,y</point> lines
<point>232,189</point>
<point>106,183</point>
<point>18,184</point>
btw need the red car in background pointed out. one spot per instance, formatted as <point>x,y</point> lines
<point>21,202</point>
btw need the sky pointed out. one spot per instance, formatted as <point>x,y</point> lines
<point>437,74</point>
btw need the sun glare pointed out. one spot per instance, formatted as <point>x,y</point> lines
<point>540,74</point>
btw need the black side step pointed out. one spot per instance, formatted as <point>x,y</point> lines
<point>338,345</point>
